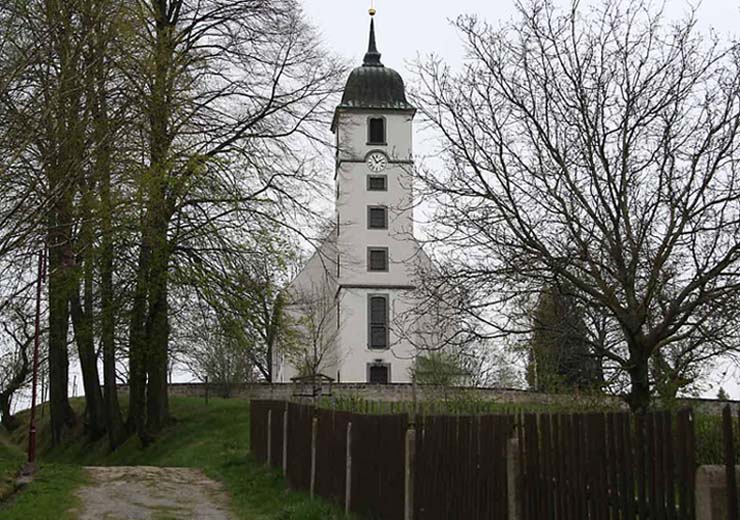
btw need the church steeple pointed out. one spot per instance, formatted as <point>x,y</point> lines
<point>372,85</point>
<point>372,57</point>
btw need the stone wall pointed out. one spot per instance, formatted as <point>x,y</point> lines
<point>711,492</point>
<point>403,392</point>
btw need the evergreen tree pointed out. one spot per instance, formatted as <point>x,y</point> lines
<point>560,358</point>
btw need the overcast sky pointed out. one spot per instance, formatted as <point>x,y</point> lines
<point>407,29</point>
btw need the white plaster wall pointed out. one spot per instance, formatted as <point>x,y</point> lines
<point>353,337</point>
<point>352,134</point>
<point>354,198</point>
<point>355,281</point>
<point>317,276</point>
<point>354,236</point>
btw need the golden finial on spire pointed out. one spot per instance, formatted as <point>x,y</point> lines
<point>372,10</point>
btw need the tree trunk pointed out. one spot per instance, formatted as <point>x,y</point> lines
<point>137,351</point>
<point>639,396</point>
<point>82,312</point>
<point>59,283</point>
<point>113,419</point>
<point>10,422</point>
<point>159,212</point>
<point>82,321</point>
<point>64,165</point>
<point>157,334</point>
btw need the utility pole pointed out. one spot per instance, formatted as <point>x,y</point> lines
<point>31,466</point>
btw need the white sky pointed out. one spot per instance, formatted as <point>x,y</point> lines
<point>407,29</point>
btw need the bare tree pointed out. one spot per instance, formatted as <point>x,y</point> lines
<point>16,357</point>
<point>598,149</point>
<point>311,315</point>
<point>212,352</point>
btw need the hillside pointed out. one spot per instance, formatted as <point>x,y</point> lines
<point>11,459</point>
<point>213,438</point>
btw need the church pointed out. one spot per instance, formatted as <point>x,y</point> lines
<point>353,302</point>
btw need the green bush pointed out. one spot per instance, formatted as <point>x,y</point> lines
<point>710,441</point>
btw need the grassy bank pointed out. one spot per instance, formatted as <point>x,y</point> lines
<point>47,498</point>
<point>11,459</point>
<point>214,438</point>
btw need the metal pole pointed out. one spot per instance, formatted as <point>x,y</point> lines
<point>36,341</point>
<point>43,393</point>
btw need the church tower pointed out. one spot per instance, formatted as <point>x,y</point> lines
<point>376,250</point>
<point>350,296</point>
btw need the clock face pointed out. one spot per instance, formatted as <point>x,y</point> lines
<point>377,162</point>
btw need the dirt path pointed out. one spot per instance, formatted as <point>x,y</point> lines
<point>149,493</point>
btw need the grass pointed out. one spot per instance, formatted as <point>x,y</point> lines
<point>11,460</point>
<point>214,438</point>
<point>49,497</point>
<point>461,402</point>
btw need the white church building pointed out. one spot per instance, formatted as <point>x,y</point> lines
<point>350,297</point>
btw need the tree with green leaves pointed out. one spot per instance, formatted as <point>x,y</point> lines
<point>147,142</point>
<point>440,368</point>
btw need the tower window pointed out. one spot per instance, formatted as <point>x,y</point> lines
<point>377,183</point>
<point>378,322</point>
<point>377,259</point>
<point>377,217</point>
<point>376,130</point>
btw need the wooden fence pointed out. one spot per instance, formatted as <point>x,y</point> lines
<point>460,467</point>
<point>594,466</point>
<point>317,457</point>
<point>608,466</point>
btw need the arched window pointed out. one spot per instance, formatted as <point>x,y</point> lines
<point>378,312</point>
<point>376,130</point>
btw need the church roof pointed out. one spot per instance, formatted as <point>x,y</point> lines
<point>373,85</point>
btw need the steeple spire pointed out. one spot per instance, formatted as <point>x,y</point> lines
<point>372,57</point>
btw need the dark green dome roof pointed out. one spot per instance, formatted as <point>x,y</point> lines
<point>373,85</point>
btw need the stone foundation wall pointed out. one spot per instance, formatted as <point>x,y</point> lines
<point>403,392</point>
<point>711,492</point>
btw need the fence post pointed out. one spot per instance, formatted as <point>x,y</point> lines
<point>269,437</point>
<point>348,477</point>
<point>513,468</point>
<point>285,441</point>
<point>730,476</point>
<point>314,432</point>
<point>409,484</point>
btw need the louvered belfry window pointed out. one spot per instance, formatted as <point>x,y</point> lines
<point>376,131</point>
<point>378,327</point>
